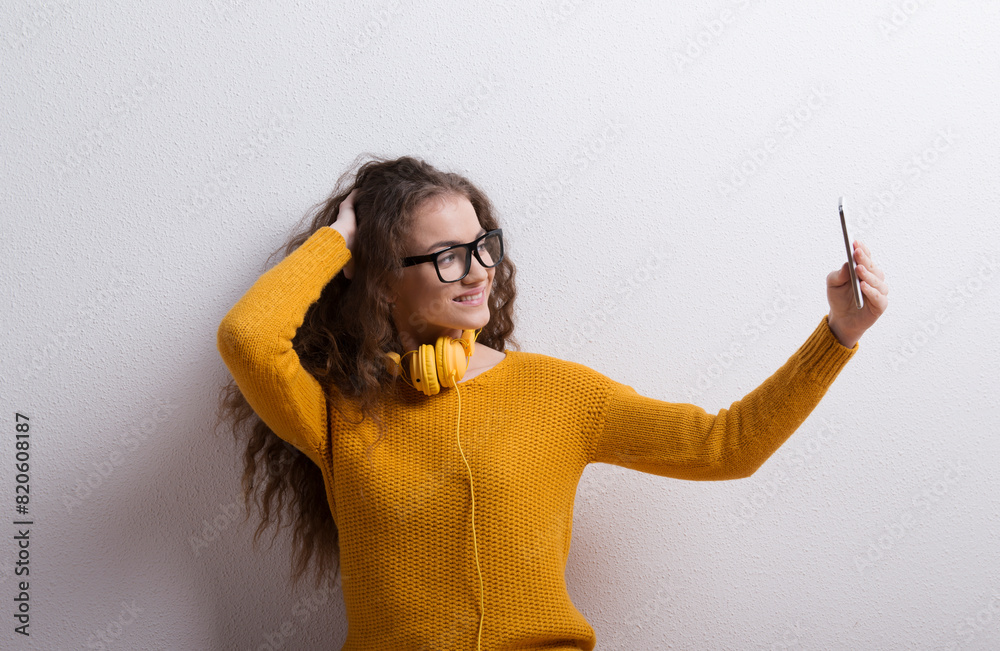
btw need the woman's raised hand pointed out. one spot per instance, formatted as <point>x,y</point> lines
<point>347,226</point>
<point>846,321</point>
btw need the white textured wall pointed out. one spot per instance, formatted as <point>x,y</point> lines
<point>153,156</point>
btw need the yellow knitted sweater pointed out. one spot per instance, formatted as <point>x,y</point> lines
<point>529,427</point>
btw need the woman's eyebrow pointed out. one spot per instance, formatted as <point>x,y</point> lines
<point>482,231</point>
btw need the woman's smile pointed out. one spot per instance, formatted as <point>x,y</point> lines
<point>471,299</point>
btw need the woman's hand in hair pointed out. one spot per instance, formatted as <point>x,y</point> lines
<point>346,225</point>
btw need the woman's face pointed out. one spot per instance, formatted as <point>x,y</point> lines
<point>425,307</point>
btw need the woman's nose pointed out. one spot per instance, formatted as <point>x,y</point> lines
<point>477,271</point>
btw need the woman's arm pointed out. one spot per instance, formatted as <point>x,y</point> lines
<point>255,341</point>
<point>682,440</point>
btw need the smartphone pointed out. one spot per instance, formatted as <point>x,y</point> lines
<point>859,300</point>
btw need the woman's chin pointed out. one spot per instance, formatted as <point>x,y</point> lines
<point>472,323</point>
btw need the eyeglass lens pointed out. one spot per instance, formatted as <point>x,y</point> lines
<point>452,264</point>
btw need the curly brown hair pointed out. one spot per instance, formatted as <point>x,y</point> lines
<point>343,340</point>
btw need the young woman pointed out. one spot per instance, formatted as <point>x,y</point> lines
<point>446,498</point>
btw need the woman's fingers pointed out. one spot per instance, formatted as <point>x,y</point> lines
<point>873,283</point>
<point>869,277</point>
<point>345,212</point>
<point>877,295</point>
<point>864,257</point>
<point>868,271</point>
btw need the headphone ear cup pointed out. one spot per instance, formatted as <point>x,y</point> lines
<point>441,359</point>
<point>450,356</point>
<point>425,371</point>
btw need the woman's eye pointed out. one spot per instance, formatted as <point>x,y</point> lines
<point>446,258</point>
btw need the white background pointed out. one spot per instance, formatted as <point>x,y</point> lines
<point>667,177</point>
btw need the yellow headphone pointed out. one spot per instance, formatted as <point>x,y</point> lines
<point>432,367</point>
<point>429,369</point>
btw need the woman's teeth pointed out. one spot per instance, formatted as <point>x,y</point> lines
<point>474,297</point>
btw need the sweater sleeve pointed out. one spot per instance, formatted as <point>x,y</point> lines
<point>255,341</point>
<point>683,441</point>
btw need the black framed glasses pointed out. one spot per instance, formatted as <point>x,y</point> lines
<point>453,264</point>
